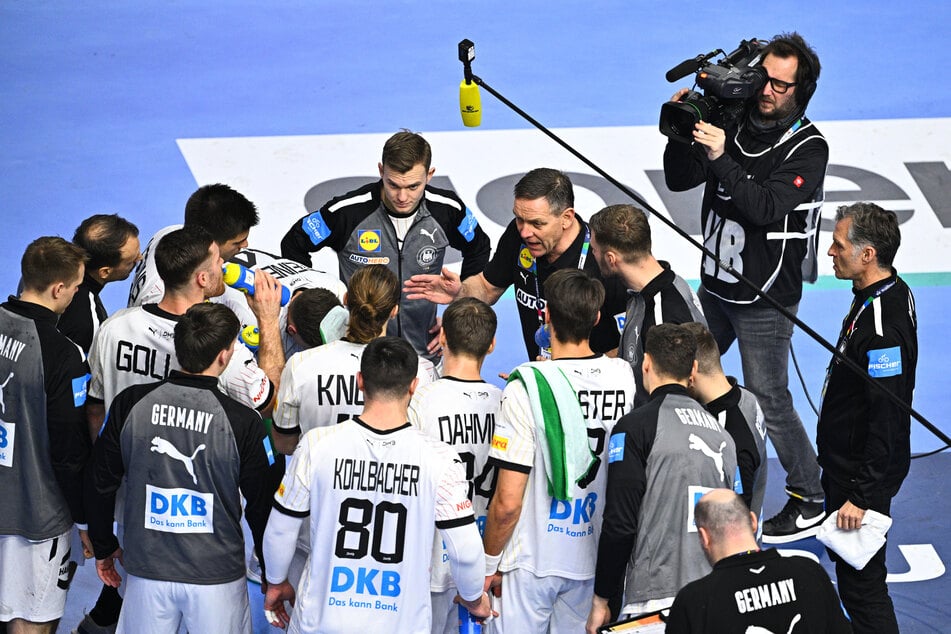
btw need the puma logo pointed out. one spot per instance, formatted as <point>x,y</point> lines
<point>697,443</point>
<point>430,235</point>
<point>160,445</point>
<point>3,405</point>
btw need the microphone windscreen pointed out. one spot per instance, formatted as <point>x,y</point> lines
<point>470,104</point>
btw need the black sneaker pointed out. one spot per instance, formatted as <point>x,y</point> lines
<point>798,520</point>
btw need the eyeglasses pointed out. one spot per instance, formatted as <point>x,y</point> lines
<point>780,86</point>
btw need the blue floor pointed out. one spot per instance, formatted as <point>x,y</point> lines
<point>95,99</point>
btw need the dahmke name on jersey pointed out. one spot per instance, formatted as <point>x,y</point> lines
<point>184,417</point>
<point>370,475</point>
<point>466,428</point>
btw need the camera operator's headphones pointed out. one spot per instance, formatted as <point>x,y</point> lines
<point>808,87</point>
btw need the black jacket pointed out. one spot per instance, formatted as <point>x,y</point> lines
<point>863,438</point>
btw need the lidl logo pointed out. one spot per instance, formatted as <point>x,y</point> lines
<point>369,240</point>
<point>525,259</point>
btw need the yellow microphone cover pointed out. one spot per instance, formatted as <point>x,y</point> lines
<point>470,104</point>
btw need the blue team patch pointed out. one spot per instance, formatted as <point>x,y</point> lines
<point>885,362</point>
<point>268,451</point>
<point>80,383</point>
<point>737,482</point>
<point>468,226</point>
<point>315,228</point>
<point>616,447</point>
<point>621,319</point>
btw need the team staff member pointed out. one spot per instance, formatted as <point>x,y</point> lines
<point>399,221</point>
<point>44,445</point>
<point>186,454</point>
<point>863,437</point>
<point>545,236</point>
<point>112,244</point>
<point>376,489</point>
<point>542,529</point>
<point>763,192</point>
<point>729,599</point>
<point>460,409</point>
<point>621,243</point>
<point>737,410</point>
<point>660,457</point>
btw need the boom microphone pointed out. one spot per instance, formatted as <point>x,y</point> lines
<point>686,67</point>
<point>470,104</point>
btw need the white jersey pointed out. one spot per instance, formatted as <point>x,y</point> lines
<point>319,386</point>
<point>554,537</point>
<point>374,501</point>
<point>462,414</point>
<point>136,345</point>
<point>292,275</point>
<point>148,288</point>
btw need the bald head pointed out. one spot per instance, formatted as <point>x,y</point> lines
<point>725,524</point>
<point>722,511</point>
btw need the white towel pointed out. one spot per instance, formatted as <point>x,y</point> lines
<point>858,546</point>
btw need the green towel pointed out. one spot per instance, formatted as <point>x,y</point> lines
<point>559,423</point>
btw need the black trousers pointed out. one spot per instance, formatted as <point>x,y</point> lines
<point>864,593</point>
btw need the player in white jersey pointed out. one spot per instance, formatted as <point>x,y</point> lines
<point>375,490</point>
<point>224,213</point>
<point>292,275</point>
<point>319,385</point>
<point>460,409</point>
<point>545,515</point>
<point>135,345</point>
<point>148,286</point>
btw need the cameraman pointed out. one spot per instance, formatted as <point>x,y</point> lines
<point>763,192</point>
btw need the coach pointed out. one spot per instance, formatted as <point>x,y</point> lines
<point>545,236</point>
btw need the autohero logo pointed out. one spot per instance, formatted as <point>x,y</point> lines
<point>528,300</point>
<point>362,259</point>
<point>179,510</point>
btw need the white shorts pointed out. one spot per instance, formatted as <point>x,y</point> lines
<point>34,578</point>
<point>160,607</point>
<point>543,604</point>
